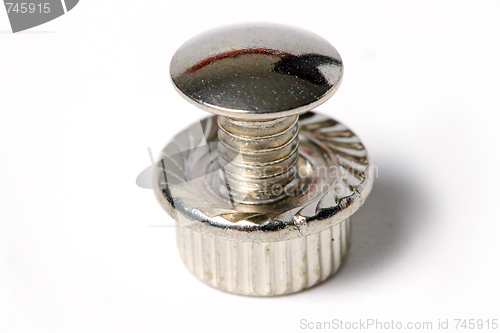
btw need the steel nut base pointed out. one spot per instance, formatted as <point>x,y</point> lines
<point>272,249</point>
<point>264,269</point>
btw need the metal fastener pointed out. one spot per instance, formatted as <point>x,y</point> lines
<point>262,193</point>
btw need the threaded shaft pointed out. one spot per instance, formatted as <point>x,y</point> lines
<point>259,158</point>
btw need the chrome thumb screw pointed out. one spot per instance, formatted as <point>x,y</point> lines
<point>262,191</point>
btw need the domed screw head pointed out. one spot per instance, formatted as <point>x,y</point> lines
<point>258,71</point>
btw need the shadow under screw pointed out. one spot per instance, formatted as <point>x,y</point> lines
<point>391,217</point>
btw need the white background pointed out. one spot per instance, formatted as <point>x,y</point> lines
<point>82,97</point>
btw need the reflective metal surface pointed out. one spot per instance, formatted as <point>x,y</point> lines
<point>259,158</point>
<point>333,167</point>
<point>260,70</point>
<point>262,268</point>
<point>266,249</point>
<point>263,192</point>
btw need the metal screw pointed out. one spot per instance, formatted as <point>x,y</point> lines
<point>267,212</point>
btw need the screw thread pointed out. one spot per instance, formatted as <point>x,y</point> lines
<point>259,158</point>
